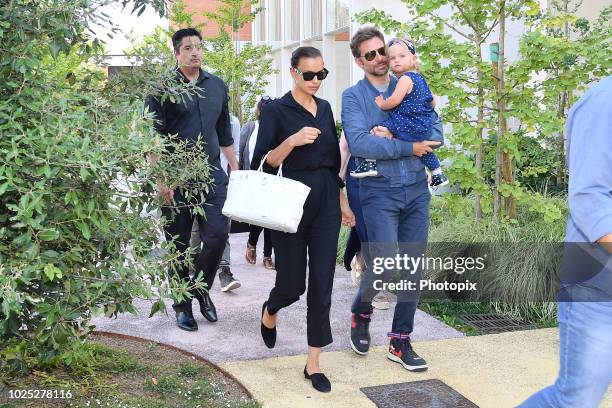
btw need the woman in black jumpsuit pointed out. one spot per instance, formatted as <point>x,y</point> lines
<point>299,131</point>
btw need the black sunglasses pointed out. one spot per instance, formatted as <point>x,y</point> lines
<point>370,55</point>
<point>309,75</point>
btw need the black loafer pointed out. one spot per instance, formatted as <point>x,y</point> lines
<point>207,307</point>
<point>319,381</point>
<point>268,335</point>
<point>185,321</point>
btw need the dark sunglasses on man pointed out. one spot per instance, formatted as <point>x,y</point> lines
<point>309,75</point>
<point>370,55</point>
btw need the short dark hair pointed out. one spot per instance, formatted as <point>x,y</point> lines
<point>304,52</point>
<point>177,38</point>
<point>364,34</point>
<point>263,102</point>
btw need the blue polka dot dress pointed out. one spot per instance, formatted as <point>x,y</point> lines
<point>412,119</point>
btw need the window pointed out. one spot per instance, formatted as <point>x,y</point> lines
<point>338,15</point>
<point>261,23</point>
<point>313,16</point>
<point>292,20</point>
<point>274,20</point>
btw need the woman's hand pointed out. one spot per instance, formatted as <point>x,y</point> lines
<point>306,135</point>
<point>348,218</point>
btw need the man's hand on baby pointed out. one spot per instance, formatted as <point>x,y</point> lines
<point>381,131</point>
<point>422,148</point>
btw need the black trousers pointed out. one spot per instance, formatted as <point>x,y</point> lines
<point>214,228</point>
<point>317,238</point>
<point>254,232</point>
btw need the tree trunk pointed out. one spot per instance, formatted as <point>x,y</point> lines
<point>498,156</point>
<point>564,101</point>
<point>504,161</point>
<point>479,132</point>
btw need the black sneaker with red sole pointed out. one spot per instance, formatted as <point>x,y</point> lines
<point>401,351</point>
<point>360,333</point>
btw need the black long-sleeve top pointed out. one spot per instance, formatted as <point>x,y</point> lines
<point>284,117</point>
<point>205,115</point>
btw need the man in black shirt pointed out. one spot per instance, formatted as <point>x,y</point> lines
<point>204,116</point>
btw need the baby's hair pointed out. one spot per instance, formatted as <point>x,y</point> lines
<point>405,41</point>
<point>409,44</point>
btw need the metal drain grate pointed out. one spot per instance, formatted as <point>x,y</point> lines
<point>417,394</point>
<point>491,323</point>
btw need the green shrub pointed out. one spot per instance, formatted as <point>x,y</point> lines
<point>74,183</point>
<point>342,240</point>
<point>526,260</point>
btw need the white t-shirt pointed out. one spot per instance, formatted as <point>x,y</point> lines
<point>235,123</point>
<point>253,141</point>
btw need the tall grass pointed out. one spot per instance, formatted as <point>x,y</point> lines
<point>526,255</point>
<point>521,278</point>
<point>344,234</point>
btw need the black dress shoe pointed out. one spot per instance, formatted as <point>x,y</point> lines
<point>185,321</point>
<point>268,335</point>
<point>207,307</point>
<point>319,381</point>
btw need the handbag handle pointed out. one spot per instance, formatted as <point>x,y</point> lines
<point>263,160</point>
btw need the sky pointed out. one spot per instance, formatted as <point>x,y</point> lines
<point>145,24</point>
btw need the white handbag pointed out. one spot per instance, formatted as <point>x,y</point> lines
<point>267,200</point>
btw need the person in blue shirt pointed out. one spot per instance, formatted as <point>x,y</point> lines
<point>411,109</point>
<point>395,203</point>
<point>585,306</point>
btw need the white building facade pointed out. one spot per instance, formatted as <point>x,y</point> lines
<point>328,25</point>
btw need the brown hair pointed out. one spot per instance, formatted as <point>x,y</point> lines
<point>364,34</point>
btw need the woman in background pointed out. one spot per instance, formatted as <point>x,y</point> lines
<point>248,140</point>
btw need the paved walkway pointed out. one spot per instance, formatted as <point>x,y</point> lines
<point>494,371</point>
<point>236,336</point>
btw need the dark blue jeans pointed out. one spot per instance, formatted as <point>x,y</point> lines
<point>393,214</point>
<point>585,348</point>
<point>352,194</point>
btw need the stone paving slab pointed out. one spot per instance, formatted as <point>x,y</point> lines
<point>236,336</point>
<point>492,371</point>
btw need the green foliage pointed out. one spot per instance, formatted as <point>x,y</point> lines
<point>127,374</point>
<point>188,370</point>
<point>559,54</point>
<point>523,254</point>
<point>75,184</point>
<point>245,72</point>
<point>342,240</point>
<point>243,66</point>
<point>230,14</point>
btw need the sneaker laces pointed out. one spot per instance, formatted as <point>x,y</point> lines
<point>227,272</point>
<point>363,321</point>
<point>403,341</point>
<point>406,346</point>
